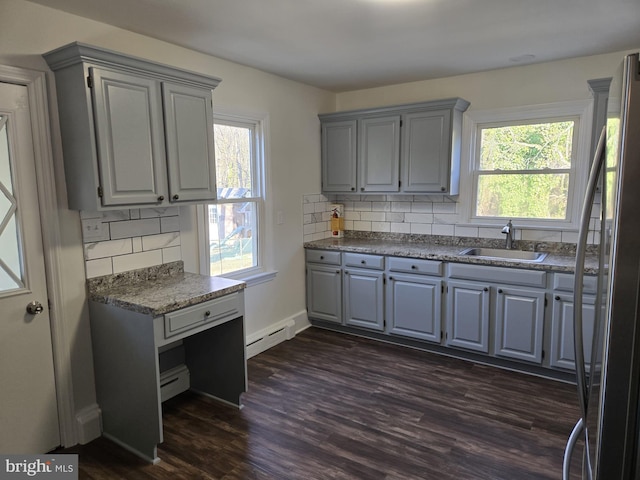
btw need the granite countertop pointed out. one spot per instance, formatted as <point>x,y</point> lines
<point>158,290</point>
<point>559,259</point>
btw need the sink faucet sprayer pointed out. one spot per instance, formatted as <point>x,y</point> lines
<point>510,231</point>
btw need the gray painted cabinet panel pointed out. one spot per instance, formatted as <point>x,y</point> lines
<point>562,353</point>
<point>379,154</point>
<point>324,292</point>
<point>339,156</point>
<point>468,316</point>
<point>414,306</point>
<point>519,324</point>
<point>115,128</point>
<point>130,141</point>
<point>426,151</point>
<point>363,298</point>
<point>189,136</point>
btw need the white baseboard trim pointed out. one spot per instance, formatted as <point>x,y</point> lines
<point>88,424</point>
<point>286,329</point>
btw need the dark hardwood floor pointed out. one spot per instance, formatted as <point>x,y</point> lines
<point>331,406</point>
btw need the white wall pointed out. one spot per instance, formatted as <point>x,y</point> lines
<point>27,30</point>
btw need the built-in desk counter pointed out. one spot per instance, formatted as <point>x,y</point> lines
<point>136,315</point>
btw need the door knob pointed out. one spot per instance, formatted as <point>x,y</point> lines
<point>34,308</point>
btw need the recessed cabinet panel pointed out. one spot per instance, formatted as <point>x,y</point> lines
<point>130,143</point>
<point>363,299</point>
<point>190,152</point>
<point>339,156</point>
<point>379,154</point>
<point>468,316</point>
<point>562,344</point>
<point>519,324</point>
<point>324,293</point>
<point>426,151</point>
<point>414,306</point>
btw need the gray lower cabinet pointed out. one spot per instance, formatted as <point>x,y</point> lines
<point>324,292</point>
<point>468,316</point>
<point>519,323</point>
<point>363,290</point>
<point>324,285</point>
<point>408,149</point>
<point>133,132</point>
<point>562,353</point>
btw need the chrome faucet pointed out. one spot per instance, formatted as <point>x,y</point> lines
<point>510,231</point>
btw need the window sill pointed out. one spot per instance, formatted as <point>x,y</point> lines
<point>254,278</point>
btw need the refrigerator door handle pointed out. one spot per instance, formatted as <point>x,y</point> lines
<point>568,450</point>
<point>585,218</point>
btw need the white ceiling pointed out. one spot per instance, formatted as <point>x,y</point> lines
<point>350,44</point>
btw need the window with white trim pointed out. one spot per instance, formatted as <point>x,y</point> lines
<point>524,166</point>
<point>233,223</point>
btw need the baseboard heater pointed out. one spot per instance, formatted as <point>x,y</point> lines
<point>174,381</point>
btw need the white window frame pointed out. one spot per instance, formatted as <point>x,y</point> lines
<point>261,272</point>
<point>580,111</point>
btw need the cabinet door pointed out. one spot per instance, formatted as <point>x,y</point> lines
<point>414,306</point>
<point>339,156</point>
<point>562,347</point>
<point>129,138</point>
<point>324,293</point>
<point>426,152</point>
<point>363,302</point>
<point>189,137</point>
<point>519,324</point>
<point>379,154</point>
<point>468,316</point>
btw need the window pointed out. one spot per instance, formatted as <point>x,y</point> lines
<point>524,165</point>
<point>233,223</point>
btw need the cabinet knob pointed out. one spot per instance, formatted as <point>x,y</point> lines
<point>486,289</point>
<point>161,198</point>
<point>363,262</point>
<point>557,297</point>
<point>390,278</point>
<point>337,271</point>
<point>442,189</point>
<point>362,189</point>
<point>176,197</point>
<point>321,257</point>
<point>353,189</point>
<point>207,313</point>
<point>413,267</point>
<point>499,290</point>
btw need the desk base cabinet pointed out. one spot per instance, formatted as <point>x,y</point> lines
<point>126,348</point>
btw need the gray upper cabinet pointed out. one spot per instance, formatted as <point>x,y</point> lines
<point>134,132</point>
<point>408,149</point>
<point>379,154</point>
<point>339,156</point>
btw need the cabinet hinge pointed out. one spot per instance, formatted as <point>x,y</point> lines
<point>546,301</point>
<point>400,122</point>
<point>441,334</point>
<point>89,81</point>
<point>384,280</point>
<point>543,354</point>
<point>100,192</point>
<point>399,183</point>
<point>441,288</point>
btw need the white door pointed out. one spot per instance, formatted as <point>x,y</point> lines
<point>28,406</point>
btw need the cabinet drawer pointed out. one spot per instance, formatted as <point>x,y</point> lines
<point>511,276</point>
<point>412,265</point>
<point>362,260</point>
<point>322,256</point>
<point>185,319</point>
<point>564,282</point>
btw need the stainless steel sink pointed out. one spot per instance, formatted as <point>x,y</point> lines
<point>505,254</point>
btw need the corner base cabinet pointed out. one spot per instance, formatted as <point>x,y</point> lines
<point>134,132</point>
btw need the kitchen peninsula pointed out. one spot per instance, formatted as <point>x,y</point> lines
<point>138,316</point>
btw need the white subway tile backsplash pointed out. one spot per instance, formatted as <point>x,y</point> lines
<point>373,216</point>
<point>465,231</point>
<point>115,215</point>
<point>422,207</point>
<point>363,206</point>
<point>396,217</point>
<point>400,227</point>
<point>163,240</point>
<point>107,249</point>
<point>421,228</point>
<point>98,267</point>
<point>380,206</point>
<point>400,206</point>
<point>444,207</point>
<point>541,235</point>
<point>169,224</point>
<point>380,226</point>
<point>124,263</point>
<point>134,213</point>
<point>362,226</point>
<point>308,208</point>
<point>442,229</point>
<point>171,254</point>
<point>137,244</point>
<point>418,218</point>
<point>134,228</point>
<point>159,212</point>
<point>352,215</point>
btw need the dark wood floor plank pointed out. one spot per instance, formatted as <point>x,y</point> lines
<point>332,406</point>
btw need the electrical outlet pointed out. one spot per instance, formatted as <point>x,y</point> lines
<point>279,217</point>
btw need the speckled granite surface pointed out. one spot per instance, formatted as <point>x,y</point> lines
<point>158,290</point>
<point>560,258</point>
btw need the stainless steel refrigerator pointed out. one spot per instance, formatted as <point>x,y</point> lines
<point>605,443</point>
